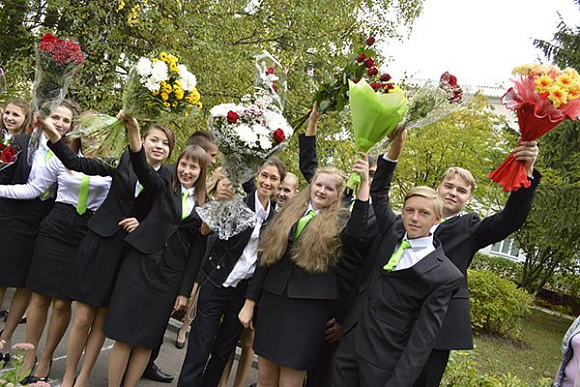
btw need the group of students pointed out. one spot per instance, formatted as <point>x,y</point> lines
<point>331,290</point>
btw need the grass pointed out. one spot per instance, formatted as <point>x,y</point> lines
<point>537,355</point>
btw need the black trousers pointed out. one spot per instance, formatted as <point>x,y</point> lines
<point>215,332</point>
<point>434,369</point>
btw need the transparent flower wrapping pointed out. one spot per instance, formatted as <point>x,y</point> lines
<point>57,61</point>
<point>152,93</point>
<point>247,134</point>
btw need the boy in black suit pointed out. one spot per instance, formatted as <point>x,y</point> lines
<point>408,289</point>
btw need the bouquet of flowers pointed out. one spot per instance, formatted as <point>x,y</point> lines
<point>542,96</point>
<point>17,370</point>
<point>57,60</point>
<point>333,92</point>
<point>8,153</point>
<point>158,88</point>
<point>376,110</point>
<point>247,133</point>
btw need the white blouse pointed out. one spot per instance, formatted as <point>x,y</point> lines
<point>69,183</point>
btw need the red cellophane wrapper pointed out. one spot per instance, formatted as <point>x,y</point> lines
<point>537,115</point>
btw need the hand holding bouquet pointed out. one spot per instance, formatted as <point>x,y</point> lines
<point>247,133</point>
<point>57,60</point>
<point>542,96</point>
<point>158,88</point>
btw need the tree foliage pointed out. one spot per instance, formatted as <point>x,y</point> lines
<point>216,39</point>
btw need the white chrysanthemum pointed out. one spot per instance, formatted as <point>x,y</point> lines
<point>188,80</point>
<point>260,130</point>
<point>246,135</point>
<point>159,71</point>
<point>143,67</point>
<point>223,109</point>
<point>265,142</point>
<point>151,84</point>
<point>277,121</point>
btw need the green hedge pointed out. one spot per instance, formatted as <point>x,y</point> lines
<point>497,305</point>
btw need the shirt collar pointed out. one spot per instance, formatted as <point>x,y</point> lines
<point>190,191</point>
<point>260,210</point>
<point>420,243</point>
<point>310,208</point>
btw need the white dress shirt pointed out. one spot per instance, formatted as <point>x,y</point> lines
<point>246,265</point>
<point>190,199</point>
<point>68,186</point>
<point>420,248</point>
<point>139,187</point>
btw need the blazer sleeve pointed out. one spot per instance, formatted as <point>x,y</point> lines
<point>255,288</point>
<point>148,177</point>
<point>308,157</point>
<point>88,166</point>
<point>380,189</point>
<point>194,259</point>
<point>497,227</point>
<point>423,335</point>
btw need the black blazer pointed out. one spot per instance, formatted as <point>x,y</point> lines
<point>120,202</point>
<point>461,236</point>
<point>308,157</point>
<point>403,311</point>
<point>163,230</point>
<point>35,210</point>
<point>285,277</point>
<point>222,255</point>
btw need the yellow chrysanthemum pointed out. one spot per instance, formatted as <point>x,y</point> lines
<point>543,82</point>
<point>189,106</point>
<point>149,104</point>
<point>572,73</point>
<point>121,5</point>
<point>574,91</point>
<point>524,69</point>
<point>155,93</point>
<point>195,97</point>
<point>174,68</point>
<point>557,95</point>
<point>174,104</point>
<point>178,83</point>
<point>166,104</point>
<point>564,80</point>
<point>172,58</point>
<point>164,96</point>
<point>179,93</point>
<point>395,89</point>
<point>164,57</point>
<point>199,105</point>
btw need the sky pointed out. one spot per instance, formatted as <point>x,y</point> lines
<point>479,41</point>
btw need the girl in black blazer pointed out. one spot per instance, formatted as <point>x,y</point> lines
<point>295,282</point>
<point>101,251</point>
<point>165,253</point>
<point>20,223</point>
<point>16,119</point>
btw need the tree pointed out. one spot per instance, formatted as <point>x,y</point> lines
<point>216,39</point>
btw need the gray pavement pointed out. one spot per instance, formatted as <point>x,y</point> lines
<point>169,360</point>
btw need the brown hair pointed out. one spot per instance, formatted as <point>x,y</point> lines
<point>427,193</point>
<point>319,244</point>
<point>75,109</point>
<point>203,139</point>
<point>275,162</point>
<point>168,132</point>
<point>26,110</point>
<point>195,153</point>
<point>463,173</point>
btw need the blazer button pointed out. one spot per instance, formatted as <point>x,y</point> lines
<point>218,267</point>
<point>210,258</point>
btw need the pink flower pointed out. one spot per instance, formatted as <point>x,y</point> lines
<point>39,384</point>
<point>23,347</point>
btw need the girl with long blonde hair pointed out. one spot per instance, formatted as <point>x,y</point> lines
<point>295,282</point>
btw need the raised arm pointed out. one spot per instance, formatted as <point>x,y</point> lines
<point>307,145</point>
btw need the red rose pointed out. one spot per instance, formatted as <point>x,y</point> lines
<point>369,63</point>
<point>389,86</point>
<point>457,95</point>
<point>376,85</point>
<point>447,78</point>
<point>275,88</point>
<point>361,58</point>
<point>385,77</point>
<point>279,136</point>
<point>370,41</point>
<point>2,145</point>
<point>270,71</point>
<point>356,80</point>
<point>372,71</point>
<point>7,156</point>
<point>232,117</point>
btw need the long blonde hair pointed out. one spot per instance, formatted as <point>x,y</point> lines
<point>319,244</point>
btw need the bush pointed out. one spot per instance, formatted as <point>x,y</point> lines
<point>497,305</point>
<point>462,372</point>
<point>503,267</point>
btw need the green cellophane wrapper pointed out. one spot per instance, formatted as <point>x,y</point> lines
<point>374,116</point>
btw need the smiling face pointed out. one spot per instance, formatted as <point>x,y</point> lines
<point>287,189</point>
<point>62,119</point>
<point>419,216</point>
<point>267,181</point>
<point>188,171</point>
<point>455,192</point>
<point>156,146</point>
<point>324,191</point>
<point>13,118</point>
